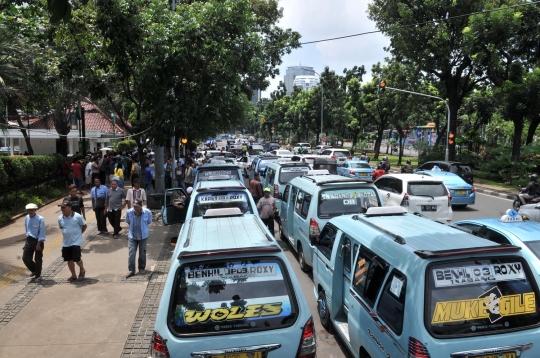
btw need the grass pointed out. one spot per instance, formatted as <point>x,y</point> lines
<point>495,183</point>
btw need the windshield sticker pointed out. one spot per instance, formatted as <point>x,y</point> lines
<point>229,198</point>
<point>396,286</point>
<point>294,169</point>
<point>230,273</point>
<point>476,274</point>
<point>217,172</point>
<point>349,201</point>
<point>339,195</point>
<point>490,305</point>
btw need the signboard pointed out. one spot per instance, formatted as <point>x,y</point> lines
<point>466,275</point>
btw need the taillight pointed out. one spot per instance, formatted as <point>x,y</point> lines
<point>276,191</point>
<point>417,349</point>
<point>314,230</point>
<point>473,190</point>
<point>449,199</point>
<point>405,200</point>
<point>352,172</point>
<point>158,347</point>
<point>349,157</point>
<point>308,344</point>
<point>333,157</point>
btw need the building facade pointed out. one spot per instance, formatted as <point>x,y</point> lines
<point>292,72</point>
<point>306,82</point>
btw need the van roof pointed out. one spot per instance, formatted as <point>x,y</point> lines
<point>328,179</point>
<point>418,236</point>
<point>225,235</point>
<point>211,166</point>
<point>288,163</point>
<point>220,184</point>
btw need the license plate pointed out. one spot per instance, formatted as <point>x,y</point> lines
<point>500,355</point>
<point>239,355</point>
<point>429,208</point>
<point>362,174</point>
<point>461,192</point>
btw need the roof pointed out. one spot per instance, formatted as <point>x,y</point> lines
<point>418,233</point>
<point>523,230</point>
<point>225,233</point>
<point>220,184</point>
<point>331,179</point>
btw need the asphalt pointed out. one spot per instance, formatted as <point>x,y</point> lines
<point>105,315</point>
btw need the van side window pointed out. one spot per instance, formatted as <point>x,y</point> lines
<point>369,273</point>
<point>392,303</point>
<point>299,201</point>
<point>271,175</point>
<point>326,241</point>
<point>286,193</point>
<point>305,206</point>
<point>347,255</point>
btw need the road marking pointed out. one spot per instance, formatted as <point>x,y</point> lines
<point>495,197</point>
<point>19,270</point>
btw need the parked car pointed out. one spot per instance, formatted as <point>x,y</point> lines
<point>394,284</point>
<point>231,292</point>
<point>510,229</point>
<point>417,194</point>
<point>318,149</point>
<point>219,153</point>
<point>339,154</point>
<point>463,193</point>
<point>355,169</point>
<point>282,153</point>
<point>306,146</point>
<point>463,170</point>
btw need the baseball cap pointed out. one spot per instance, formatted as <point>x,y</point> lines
<point>31,206</point>
<point>267,189</point>
<point>137,202</point>
<point>189,190</point>
<point>65,203</point>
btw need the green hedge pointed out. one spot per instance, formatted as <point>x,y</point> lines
<point>17,172</point>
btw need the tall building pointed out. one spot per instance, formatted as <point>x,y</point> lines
<point>294,71</point>
<point>306,82</point>
<point>256,97</point>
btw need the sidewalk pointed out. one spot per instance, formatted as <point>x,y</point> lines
<point>105,315</point>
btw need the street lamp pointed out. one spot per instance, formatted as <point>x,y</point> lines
<point>322,97</point>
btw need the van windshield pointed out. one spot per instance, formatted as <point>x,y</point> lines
<point>346,201</point>
<point>288,173</point>
<point>205,174</point>
<point>220,200</point>
<point>481,296</point>
<point>231,296</point>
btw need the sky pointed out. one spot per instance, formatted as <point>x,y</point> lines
<point>322,19</point>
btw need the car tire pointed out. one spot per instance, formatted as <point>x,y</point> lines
<point>516,205</point>
<point>302,259</point>
<point>324,310</point>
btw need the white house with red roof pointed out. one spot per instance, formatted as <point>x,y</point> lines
<point>99,132</point>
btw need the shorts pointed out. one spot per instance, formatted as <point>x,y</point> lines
<point>71,253</point>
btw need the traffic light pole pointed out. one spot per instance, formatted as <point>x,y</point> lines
<point>447,151</point>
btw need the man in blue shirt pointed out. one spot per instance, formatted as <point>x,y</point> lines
<point>35,240</point>
<point>72,225</point>
<point>98,194</point>
<point>148,177</point>
<point>138,219</point>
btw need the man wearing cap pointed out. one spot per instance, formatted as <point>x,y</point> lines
<point>35,239</point>
<point>139,219</point>
<point>135,193</point>
<point>267,209</point>
<point>185,204</point>
<point>114,206</point>
<point>73,226</point>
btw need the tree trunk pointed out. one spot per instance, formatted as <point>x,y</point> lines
<point>516,139</point>
<point>12,113</point>
<point>532,129</point>
<point>378,142</point>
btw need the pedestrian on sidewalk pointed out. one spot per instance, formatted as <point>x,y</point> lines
<point>73,226</point>
<point>88,174</point>
<point>77,204</point>
<point>148,177</point>
<point>35,239</point>
<point>139,219</point>
<point>189,176</point>
<point>98,194</point>
<point>135,169</point>
<point>267,210</point>
<point>77,170</point>
<point>135,193</point>
<point>114,206</point>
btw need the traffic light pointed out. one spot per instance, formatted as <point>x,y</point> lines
<point>451,138</point>
<point>263,121</point>
<point>184,140</point>
<point>382,87</point>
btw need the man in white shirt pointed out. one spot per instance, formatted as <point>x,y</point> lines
<point>88,174</point>
<point>135,193</point>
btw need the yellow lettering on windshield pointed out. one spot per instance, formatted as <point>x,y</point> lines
<point>233,313</point>
<point>513,305</point>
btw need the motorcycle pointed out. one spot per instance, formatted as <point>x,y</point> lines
<point>521,200</point>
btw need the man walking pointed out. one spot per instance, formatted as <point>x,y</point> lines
<point>135,193</point>
<point>114,206</point>
<point>98,194</point>
<point>168,174</point>
<point>77,171</point>
<point>35,239</point>
<point>73,226</point>
<point>88,174</point>
<point>148,177</point>
<point>139,219</point>
<point>77,204</point>
<point>189,176</point>
<point>267,209</point>
<point>255,187</point>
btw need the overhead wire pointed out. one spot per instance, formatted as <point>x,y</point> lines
<point>422,23</point>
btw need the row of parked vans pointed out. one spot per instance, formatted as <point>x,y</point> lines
<point>391,283</point>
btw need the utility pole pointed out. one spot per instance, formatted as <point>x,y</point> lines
<point>113,131</point>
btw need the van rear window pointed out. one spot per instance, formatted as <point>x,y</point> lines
<point>222,199</point>
<point>481,296</point>
<point>231,296</point>
<point>427,188</point>
<point>205,174</point>
<point>286,174</point>
<point>346,201</point>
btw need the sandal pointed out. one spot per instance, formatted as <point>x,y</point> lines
<point>130,274</point>
<point>142,272</point>
<point>37,280</point>
<point>81,275</point>
<point>71,279</point>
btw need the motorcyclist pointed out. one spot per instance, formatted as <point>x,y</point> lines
<point>365,157</point>
<point>385,164</point>
<point>378,173</point>
<point>532,189</point>
<point>407,168</point>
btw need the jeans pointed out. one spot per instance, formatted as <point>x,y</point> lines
<point>168,182</point>
<point>132,246</point>
<point>78,182</point>
<point>114,220</point>
<point>29,251</point>
<point>269,222</point>
<point>101,220</point>
<point>148,188</point>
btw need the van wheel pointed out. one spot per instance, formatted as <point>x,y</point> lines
<point>323,310</point>
<point>281,234</point>
<point>302,259</point>
<point>363,353</point>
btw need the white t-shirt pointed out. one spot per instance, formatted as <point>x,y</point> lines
<point>88,169</point>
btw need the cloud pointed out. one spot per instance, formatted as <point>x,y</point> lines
<point>324,19</point>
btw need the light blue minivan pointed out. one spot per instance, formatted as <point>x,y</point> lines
<point>231,292</point>
<point>395,284</point>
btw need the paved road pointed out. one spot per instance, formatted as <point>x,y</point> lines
<point>486,206</point>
